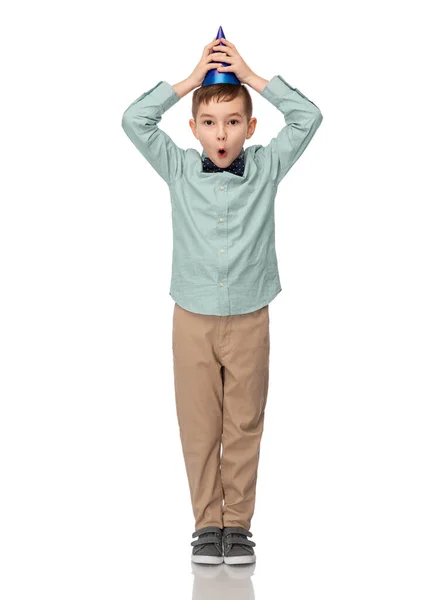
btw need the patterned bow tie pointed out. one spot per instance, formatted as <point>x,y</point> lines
<point>237,167</point>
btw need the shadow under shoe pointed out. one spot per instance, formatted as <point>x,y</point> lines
<point>238,550</point>
<point>208,548</point>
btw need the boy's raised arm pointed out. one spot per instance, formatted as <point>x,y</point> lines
<point>140,123</point>
<point>140,120</point>
<point>302,116</point>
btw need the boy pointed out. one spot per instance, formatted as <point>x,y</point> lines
<point>224,275</point>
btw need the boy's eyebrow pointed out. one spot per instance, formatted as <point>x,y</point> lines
<point>230,115</point>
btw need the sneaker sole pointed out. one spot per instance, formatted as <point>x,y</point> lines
<point>239,560</point>
<point>208,560</point>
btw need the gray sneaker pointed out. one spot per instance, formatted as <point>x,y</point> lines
<point>238,550</point>
<point>208,548</point>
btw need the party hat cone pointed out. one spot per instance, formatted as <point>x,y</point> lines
<point>213,76</point>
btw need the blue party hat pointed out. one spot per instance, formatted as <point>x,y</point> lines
<point>213,76</point>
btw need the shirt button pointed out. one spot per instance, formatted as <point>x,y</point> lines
<point>221,283</point>
<point>222,250</point>
<point>221,187</point>
<point>221,219</point>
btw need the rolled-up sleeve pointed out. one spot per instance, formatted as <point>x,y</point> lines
<point>140,123</point>
<point>302,118</point>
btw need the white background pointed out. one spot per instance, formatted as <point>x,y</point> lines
<point>94,496</point>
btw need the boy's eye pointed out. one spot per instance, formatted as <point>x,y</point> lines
<point>231,120</point>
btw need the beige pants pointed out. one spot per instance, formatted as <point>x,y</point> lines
<point>221,369</point>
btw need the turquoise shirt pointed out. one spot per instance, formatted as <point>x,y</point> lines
<point>224,259</point>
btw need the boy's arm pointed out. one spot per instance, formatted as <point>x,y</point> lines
<point>140,123</point>
<point>302,116</point>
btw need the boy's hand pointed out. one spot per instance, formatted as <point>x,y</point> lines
<point>205,64</point>
<point>237,65</point>
<point>210,60</point>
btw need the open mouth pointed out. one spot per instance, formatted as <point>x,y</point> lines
<point>222,153</point>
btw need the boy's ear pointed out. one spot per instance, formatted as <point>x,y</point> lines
<point>193,127</point>
<point>251,127</point>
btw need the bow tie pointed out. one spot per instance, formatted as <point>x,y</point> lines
<point>237,167</point>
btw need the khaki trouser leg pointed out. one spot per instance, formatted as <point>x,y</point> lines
<point>221,368</point>
<point>245,356</point>
<point>199,399</point>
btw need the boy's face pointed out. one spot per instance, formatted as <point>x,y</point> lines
<point>222,125</point>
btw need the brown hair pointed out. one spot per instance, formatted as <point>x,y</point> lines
<point>223,92</point>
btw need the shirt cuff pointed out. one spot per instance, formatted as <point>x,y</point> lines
<point>164,94</point>
<point>276,88</point>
